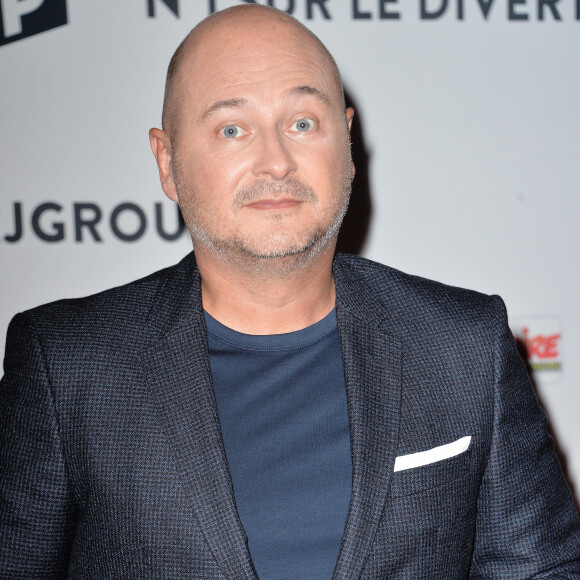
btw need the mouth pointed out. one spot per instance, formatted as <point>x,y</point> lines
<point>275,204</point>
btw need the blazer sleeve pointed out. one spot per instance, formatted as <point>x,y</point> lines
<point>35,504</point>
<point>527,525</point>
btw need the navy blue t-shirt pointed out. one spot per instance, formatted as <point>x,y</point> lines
<point>283,414</point>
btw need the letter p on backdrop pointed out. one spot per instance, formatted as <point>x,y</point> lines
<point>22,18</point>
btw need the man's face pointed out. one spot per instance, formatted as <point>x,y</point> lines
<point>261,159</point>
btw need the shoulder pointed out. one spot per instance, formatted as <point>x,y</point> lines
<point>106,317</point>
<point>409,304</point>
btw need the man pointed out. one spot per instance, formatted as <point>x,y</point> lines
<point>264,407</point>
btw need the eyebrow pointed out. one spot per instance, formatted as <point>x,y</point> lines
<point>308,90</point>
<point>225,104</point>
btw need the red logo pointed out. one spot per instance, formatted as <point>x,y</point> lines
<point>541,346</point>
<point>540,342</point>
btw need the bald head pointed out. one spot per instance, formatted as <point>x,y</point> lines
<point>212,30</point>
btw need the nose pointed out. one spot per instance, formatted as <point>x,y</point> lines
<point>274,157</point>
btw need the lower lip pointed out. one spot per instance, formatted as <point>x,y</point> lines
<point>275,205</point>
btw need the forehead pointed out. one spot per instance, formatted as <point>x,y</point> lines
<point>236,59</point>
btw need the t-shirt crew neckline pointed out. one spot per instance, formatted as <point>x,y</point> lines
<point>272,342</point>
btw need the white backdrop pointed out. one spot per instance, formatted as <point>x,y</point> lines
<point>470,126</point>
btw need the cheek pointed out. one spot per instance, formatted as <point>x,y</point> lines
<point>327,169</point>
<point>220,172</point>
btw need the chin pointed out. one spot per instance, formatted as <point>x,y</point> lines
<point>279,245</point>
<point>275,253</point>
<point>284,256</point>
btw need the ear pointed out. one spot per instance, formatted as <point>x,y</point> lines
<point>161,147</point>
<point>349,117</point>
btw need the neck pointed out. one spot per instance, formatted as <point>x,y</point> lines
<point>269,300</point>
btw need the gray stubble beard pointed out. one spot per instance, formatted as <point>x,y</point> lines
<point>236,253</point>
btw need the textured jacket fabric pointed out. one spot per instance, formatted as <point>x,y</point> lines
<point>112,464</point>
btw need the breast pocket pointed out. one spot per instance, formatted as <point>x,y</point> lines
<point>432,468</point>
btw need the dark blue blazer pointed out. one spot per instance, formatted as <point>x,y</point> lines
<point>112,464</point>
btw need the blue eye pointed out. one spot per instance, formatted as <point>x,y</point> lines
<point>231,131</point>
<point>303,125</point>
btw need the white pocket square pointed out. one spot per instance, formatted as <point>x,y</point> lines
<point>432,455</point>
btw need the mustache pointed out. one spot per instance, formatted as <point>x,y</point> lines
<point>289,187</point>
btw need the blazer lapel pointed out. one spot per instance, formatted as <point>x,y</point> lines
<point>180,377</point>
<point>372,367</point>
